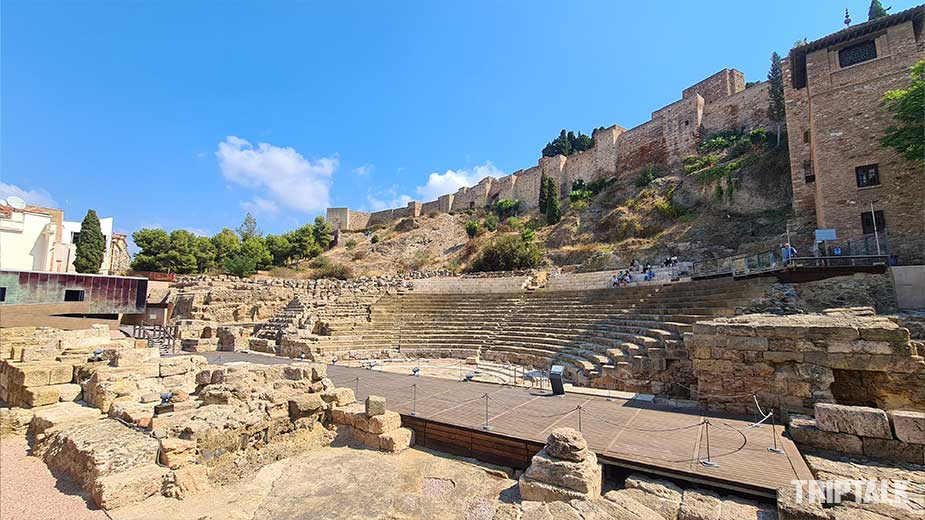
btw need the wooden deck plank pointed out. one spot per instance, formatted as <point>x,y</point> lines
<point>632,433</point>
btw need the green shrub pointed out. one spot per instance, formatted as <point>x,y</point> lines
<point>508,253</point>
<point>505,208</point>
<point>692,163</point>
<point>350,244</point>
<point>577,195</point>
<point>740,148</point>
<point>648,175</point>
<point>579,205</point>
<point>374,239</point>
<point>492,222</point>
<point>472,228</point>
<point>241,265</point>
<point>325,268</point>
<point>719,141</point>
<point>758,136</point>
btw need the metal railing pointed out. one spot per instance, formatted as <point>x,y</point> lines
<point>160,336</point>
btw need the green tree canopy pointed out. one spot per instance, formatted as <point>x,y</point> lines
<point>256,248</point>
<point>322,232</point>
<point>91,245</point>
<point>568,143</point>
<point>248,228</point>
<point>553,210</point>
<point>776,111</point>
<point>876,10</point>
<point>204,252</point>
<point>280,247</point>
<point>907,105</point>
<point>227,244</point>
<point>544,194</point>
<point>241,265</point>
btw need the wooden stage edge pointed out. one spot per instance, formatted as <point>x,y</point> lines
<point>449,416</point>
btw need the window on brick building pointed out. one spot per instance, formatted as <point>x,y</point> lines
<point>867,176</point>
<point>857,53</point>
<point>2,294</point>
<point>806,136</point>
<point>808,174</point>
<point>867,221</point>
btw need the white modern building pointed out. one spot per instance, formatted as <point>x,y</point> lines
<point>33,238</point>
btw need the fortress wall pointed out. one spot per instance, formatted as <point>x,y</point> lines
<point>746,109</point>
<point>719,102</point>
<point>431,207</point>
<point>718,86</point>
<point>346,219</point>
<point>527,187</point>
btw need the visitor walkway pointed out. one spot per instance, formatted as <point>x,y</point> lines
<point>452,416</point>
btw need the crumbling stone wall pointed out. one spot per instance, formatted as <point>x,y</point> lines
<point>790,362</point>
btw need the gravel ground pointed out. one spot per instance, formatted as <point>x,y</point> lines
<point>28,490</point>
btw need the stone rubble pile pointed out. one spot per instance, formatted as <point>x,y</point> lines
<point>896,435</point>
<point>565,469</point>
<point>371,425</point>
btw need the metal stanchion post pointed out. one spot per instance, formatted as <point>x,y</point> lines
<point>707,462</point>
<point>774,449</point>
<point>579,418</point>
<point>610,391</point>
<point>414,399</point>
<point>486,426</point>
<point>357,394</point>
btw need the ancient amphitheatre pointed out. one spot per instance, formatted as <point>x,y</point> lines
<point>719,382</point>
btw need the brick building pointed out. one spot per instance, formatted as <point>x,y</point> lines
<point>833,87</point>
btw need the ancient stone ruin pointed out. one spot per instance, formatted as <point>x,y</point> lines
<point>563,470</point>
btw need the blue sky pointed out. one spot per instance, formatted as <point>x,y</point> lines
<point>187,114</point>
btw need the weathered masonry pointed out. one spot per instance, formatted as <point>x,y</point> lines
<point>840,172</point>
<point>717,103</point>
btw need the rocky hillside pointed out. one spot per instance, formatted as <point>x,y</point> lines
<point>732,197</point>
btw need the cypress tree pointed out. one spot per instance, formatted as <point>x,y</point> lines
<point>553,211</point>
<point>776,110</point>
<point>91,245</point>
<point>876,10</point>
<point>544,194</point>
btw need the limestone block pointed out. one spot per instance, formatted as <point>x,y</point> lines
<point>856,420</point>
<point>15,420</point>
<point>187,481</point>
<point>534,490</point>
<point>567,444</point>
<point>700,504</point>
<point>804,432</point>
<point>30,374</point>
<point>375,405</point>
<point>128,487</point>
<point>396,440</point>
<point>346,415</point>
<point>908,426</point>
<point>370,440</point>
<point>889,449</point>
<point>660,496</point>
<point>40,396</point>
<point>174,366</point>
<point>625,503</point>
<point>57,414</point>
<point>387,422</point>
<point>339,396</point>
<point>134,357</point>
<point>68,391</point>
<point>131,411</point>
<point>305,405</point>
<point>60,373</point>
<point>583,477</point>
<point>177,452</point>
<point>788,508</point>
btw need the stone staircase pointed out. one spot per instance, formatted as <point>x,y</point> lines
<point>295,315</point>
<point>600,336</point>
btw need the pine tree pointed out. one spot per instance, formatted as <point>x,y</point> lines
<point>776,110</point>
<point>876,10</point>
<point>553,211</point>
<point>322,232</point>
<point>544,193</point>
<point>91,245</point>
<point>248,228</point>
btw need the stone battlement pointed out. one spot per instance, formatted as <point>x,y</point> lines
<point>719,102</point>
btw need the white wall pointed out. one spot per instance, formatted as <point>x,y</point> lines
<point>26,241</point>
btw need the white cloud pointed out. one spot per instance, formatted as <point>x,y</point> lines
<point>35,197</point>
<point>387,199</point>
<point>281,176</point>
<point>364,170</point>
<point>441,184</point>
<point>260,206</point>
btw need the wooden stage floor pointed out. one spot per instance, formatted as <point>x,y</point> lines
<point>626,433</point>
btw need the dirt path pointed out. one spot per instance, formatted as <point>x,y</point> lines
<point>28,490</point>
